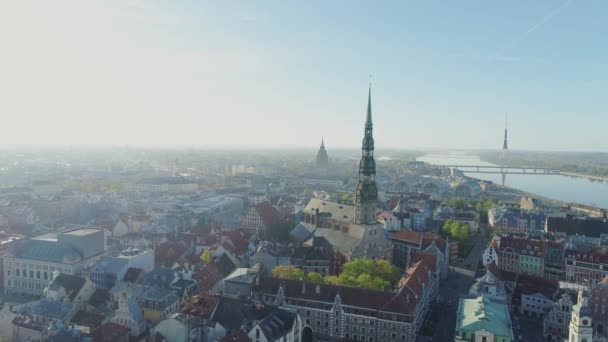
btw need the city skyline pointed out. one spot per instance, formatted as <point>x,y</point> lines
<point>237,75</point>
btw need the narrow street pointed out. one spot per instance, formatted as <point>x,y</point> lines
<point>459,281</point>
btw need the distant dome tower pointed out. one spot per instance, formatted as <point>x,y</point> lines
<point>322,161</point>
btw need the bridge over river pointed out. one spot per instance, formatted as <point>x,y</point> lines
<point>520,170</point>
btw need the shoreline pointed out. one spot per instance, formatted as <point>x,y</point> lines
<point>582,175</point>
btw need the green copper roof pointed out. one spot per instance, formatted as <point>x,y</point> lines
<point>368,120</point>
<point>483,314</point>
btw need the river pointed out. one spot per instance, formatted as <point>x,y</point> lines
<point>565,188</point>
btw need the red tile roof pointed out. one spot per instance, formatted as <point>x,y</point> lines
<point>428,238</point>
<point>408,236</point>
<point>200,305</point>
<point>168,252</point>
<point>597,256</point>
<point>519,244</point>
<point>208,276</point>
<point>385,215</point>
<point>417,276</point>
<point>269,214</point>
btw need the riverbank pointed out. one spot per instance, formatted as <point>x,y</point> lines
<point>582,175</point>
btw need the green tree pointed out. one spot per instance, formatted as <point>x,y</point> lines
<point>377,275</point>
<point>288,272</point>
<point>458,203</point>
<point>456,230</point>
<point>206,256</point>
<point>316,278</point>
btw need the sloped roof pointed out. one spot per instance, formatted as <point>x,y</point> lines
<point>48,249</point>
<point>160,276</point>
<point>200,305</point>
<point>336,211</point>
<point>483,314</point>
<point>208,276</point>
<point>51,309</point>
<point>417,276</point>
<point>357,297</point>
<point>269,214</point>
<point>278,323</point>
<point>232,313</point>
<point>592,227</point>
<point>340,241</point>
<point>407,236</point>
<point>99,297</point>
<point>72,284</point>
<point>133,274</point>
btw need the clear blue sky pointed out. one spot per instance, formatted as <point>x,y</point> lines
<point>285,73</point>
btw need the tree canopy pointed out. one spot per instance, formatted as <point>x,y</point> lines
<point>288,272</point>
<point>377,275</point>
<point>456,230</point>
<point>206,256</point>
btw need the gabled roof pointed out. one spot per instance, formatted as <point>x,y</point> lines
<point>208,276</point>
<point>232,313</point>
<point>72,284</point>
<point>483,314</point>
<point>419,273</point>
<point>133,274</point>
<point>278,323</point>
<point>357,297</point>
<point>269,214</point>
<point>530,285</point>
<point>51,309</point>
<point>99,297</point>
<point>160,276</point>
<point>502,275</point>
<point>407,236</point>
<point>200,305</point>
<point>335,211</point>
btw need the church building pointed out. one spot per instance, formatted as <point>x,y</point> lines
<point>322,161</point>
<point>353,231</point>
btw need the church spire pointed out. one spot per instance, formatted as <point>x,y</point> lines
<point>368,120</point>
<point>322,142</point>
<point>366,196</point>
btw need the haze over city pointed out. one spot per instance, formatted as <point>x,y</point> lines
<point>277,74</point>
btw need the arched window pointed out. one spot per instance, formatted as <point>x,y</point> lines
<point>31,274</point>
<point>37,274</point>
<point>46,276</point>
<point>17,272</point>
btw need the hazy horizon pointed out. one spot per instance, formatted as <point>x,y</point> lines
<point>233,75</point>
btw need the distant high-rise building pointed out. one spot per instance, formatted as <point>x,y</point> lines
<point>366,195</point>
<point>322,161</point>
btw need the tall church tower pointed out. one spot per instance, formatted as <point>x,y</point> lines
<point>366,196</point>
<point>322,161</point>
<point>581,329</point>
